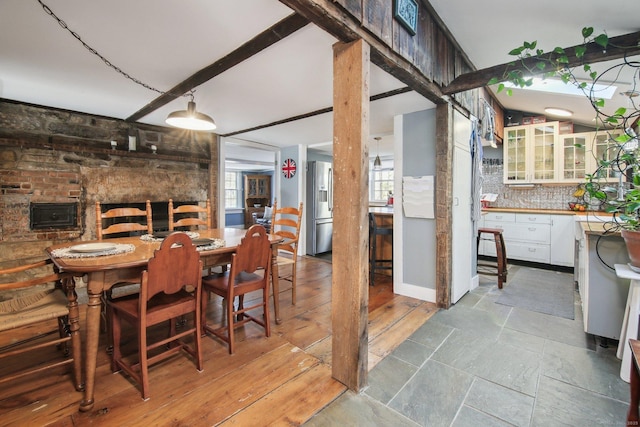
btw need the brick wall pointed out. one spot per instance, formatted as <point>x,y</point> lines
<point>52,156</point>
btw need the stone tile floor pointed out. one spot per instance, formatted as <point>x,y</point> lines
<point>486,364</point>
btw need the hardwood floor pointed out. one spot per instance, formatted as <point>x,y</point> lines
<point>283,379</point>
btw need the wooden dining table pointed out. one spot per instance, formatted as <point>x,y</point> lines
<point>102,272</point>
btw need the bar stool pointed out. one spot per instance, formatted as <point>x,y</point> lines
<point>376,263</point>
<point>501,255</point>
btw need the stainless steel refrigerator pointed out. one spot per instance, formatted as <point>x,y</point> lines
<point>320,207</point>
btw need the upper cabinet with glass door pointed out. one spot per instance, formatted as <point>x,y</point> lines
<point>515,154</point>
<point>574,158</point>
<point>604,150</point>
<point>588,153</point>
<point>544,137</point>
<point>530,153</point>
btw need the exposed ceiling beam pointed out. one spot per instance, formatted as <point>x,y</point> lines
<point>628,44</point>
<point>270,36</point>
<point>316,112</point>
<point>328,15</point>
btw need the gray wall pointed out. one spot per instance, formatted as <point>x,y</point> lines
<point>419,235</point>
<point>313,156</point>
<point>234,219</point>
<point>289,187</point>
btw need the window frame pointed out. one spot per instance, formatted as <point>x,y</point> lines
<point>386,184</point>
<point>237,188</point>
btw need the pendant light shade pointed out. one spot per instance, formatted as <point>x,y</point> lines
<point>191,119</point>
<point>377,164</point>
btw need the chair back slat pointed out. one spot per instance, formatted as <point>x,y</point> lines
<point>26,267</point>
<point>127,226</point>
<point>191,221</point>
<point>27,279</point>
<point>286,224</point>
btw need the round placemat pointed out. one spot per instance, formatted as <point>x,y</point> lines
<point>119,248</point>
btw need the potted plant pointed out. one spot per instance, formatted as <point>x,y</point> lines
<point>623,156</point>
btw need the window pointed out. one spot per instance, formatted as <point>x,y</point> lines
<point>381,184</point>
<point>232,190</point>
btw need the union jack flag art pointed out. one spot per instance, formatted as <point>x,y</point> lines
<point>289,168</point>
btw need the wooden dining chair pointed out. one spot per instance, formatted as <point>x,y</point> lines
<point>170,288</point>
<point>182,216</point>
<point>191,218</point>
<point>250,271</point>
<point>120,220</point>
<point>31,312</point>
<point>286,223</point>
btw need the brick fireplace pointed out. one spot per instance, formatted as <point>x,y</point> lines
<point>51,157</point>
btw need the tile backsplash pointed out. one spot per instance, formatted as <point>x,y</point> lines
<point>556,196</point>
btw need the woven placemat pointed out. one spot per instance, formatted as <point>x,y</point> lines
<point>119,248</point>
<point>215,244</point>
<point>152,238</point>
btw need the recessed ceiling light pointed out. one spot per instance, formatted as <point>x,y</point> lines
<point>558,112</point>
<point>630,93</point>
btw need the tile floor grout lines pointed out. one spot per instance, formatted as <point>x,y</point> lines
<point>505,367</point>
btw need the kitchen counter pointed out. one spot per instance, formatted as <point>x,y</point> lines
<point>549,211</point>
<point>596,228</point>
<point>381,210</point>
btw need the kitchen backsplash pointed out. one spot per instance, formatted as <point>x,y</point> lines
<point>536,197</point>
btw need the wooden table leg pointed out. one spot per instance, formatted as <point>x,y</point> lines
<point>276,285</point>
<point>94,291</point>
<point>74,329</point>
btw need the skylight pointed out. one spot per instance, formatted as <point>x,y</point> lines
<point>558,87</point>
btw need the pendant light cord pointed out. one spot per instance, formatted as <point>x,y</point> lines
<point>119,70</point>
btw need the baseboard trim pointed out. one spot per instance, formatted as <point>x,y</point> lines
<point>413,291</point>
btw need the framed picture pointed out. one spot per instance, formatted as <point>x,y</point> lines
<point>406,12</point>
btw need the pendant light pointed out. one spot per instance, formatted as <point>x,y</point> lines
<point>186,119</point>
<point>377,164</point>
<point>190,118</point>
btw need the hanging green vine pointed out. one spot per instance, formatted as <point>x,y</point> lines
<point>623,158</point>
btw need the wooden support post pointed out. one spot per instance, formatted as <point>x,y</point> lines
<point>444,191</point>
<point>350,293</point>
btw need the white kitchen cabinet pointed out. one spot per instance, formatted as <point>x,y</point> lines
<point>573,159</point>
<point>602,293</point>
<point>580,154</point>
<point>603,148</point>
<point>515,155</point>
<point>530,153</point>
<point>562,240</point>
<point>527,237</point>
<point>539,154</point>
<point>542,238</point>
